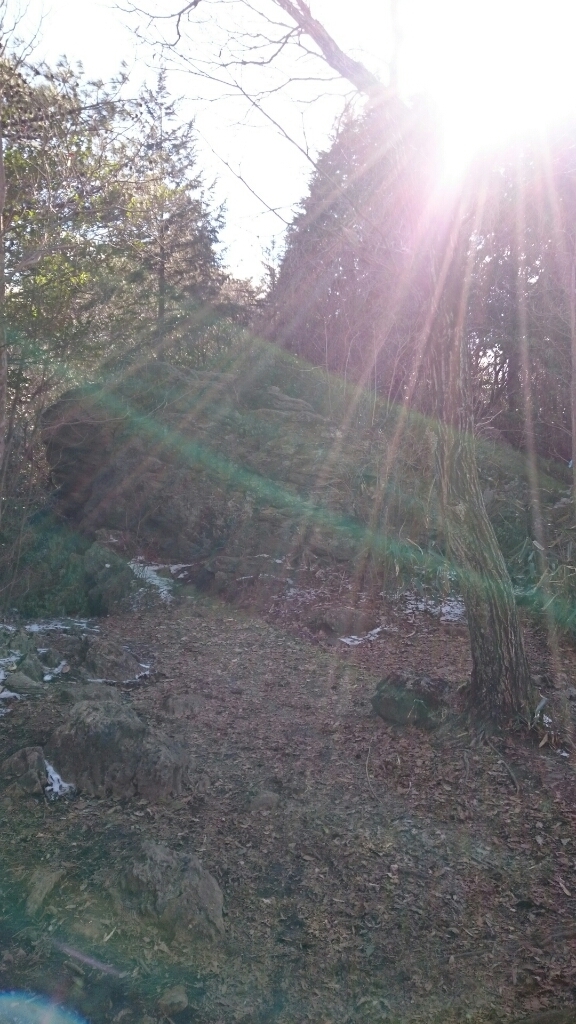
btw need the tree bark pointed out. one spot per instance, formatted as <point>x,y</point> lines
<point>572,307</point>
<point>161,316</point>
<point>3,344</point>
<point>500,689</point>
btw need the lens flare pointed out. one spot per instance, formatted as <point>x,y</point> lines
<point>22,1008</point>
<point>495,70</point>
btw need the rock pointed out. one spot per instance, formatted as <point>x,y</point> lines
<point>50,658</point>
<point>21,642</point>
<point>162,768</point>
<point>32,667</point>
<point>108,660</point>
<point>71,692</point>
<point>402,706</point>
<point>26,770</point>
<point>344,621</point>
<point>21,683</point>
<point>105,749</point>
<point>42,882</point>
<point>173,1000</point>
<point>176,891</point>
<point>129,495</point>
<point>22,761</point>
<point>265,801</point>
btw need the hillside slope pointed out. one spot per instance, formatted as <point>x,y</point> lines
<point>267,457</point>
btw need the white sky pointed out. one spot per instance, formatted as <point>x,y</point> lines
<point>493,66</point>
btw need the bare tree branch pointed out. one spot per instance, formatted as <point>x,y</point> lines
<point>356,73</point>
<point>271,209</point>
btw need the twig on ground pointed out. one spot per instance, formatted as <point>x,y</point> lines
<point>506,765</point>
<point>375,795</point>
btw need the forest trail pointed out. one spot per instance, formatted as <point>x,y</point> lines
<point>369,871</point>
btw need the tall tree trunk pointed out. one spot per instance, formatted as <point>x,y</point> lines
<point>500,688</point>
<point>3,345</point>
<point>572,308</point>
<point>513,370</point>
<point>161,283</point>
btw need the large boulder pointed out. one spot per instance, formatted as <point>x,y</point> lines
<point>25,772</point>
<point>22,684</point>
<point>105,749</point>
<point>143,461</point>
<point>175,890</point>
<point>72,692</point>
<point>108,660</point>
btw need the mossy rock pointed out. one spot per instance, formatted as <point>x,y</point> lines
<point>401,706</point>
<point>32,667</point>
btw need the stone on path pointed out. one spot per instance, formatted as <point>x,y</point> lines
<point>173,1000</point>
<point>42,882</point>
<point>26,771</point>
<point>177,891</point>
<point>108,660</point>
<point>105,749</point>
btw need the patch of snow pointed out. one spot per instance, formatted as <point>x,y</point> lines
<point>563,753</point>
<point>60,626</point>
<point>9,664</point>
<point>149,573</point>
<point>353,641</point>
<point>450,609</point>
<point>10,629</point>
<point>547,720</point>
<point>7,695</point>
<point>62,667</point>
<point>56,786</point>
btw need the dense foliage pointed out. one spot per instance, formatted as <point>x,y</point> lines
<point>110,251</point>
<point>349,293</point>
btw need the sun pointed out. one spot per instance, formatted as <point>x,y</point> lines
<point>494,69</point>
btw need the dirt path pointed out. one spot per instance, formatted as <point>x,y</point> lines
<point>369,872</point>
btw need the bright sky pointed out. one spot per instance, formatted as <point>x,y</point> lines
<point>495,67</point>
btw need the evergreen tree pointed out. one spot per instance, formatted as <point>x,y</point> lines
<point>174,280</point>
